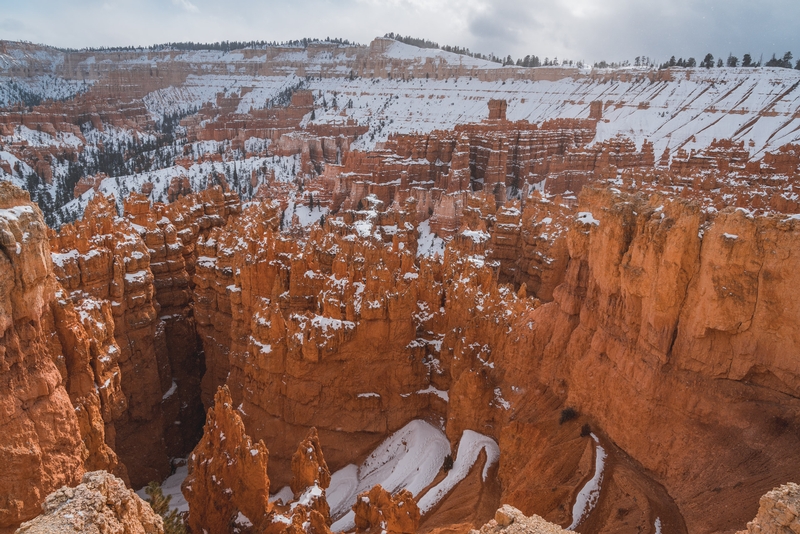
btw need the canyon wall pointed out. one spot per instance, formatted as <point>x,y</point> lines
<point>59,369</point>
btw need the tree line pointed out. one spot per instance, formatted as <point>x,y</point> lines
<point>733,61</point>
<point>527,61</point>
<point>222,46</point>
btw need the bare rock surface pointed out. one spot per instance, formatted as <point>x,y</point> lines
<point>778,512</point>
<point>100,504</point>
<point>509,520</point>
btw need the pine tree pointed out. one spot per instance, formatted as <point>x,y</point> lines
<point>708,61</point>
<point>733,61</point>
<point>747,61</point>
<point>173,522</point>
<point>719,63</point>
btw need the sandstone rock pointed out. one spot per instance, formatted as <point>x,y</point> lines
<point>379,511</point>
<point>778,512</point>
<point>104,258</point>
<point>100,503</point>
<point>42,438</point>
<point>510,520</point>
<point>308,465</point>
<point>227,480</point>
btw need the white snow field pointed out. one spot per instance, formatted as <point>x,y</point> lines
<point>409,459</point>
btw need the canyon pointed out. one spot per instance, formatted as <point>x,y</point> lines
<point>334,288</point>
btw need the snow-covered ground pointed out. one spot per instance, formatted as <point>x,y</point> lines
<point>284,168</point>
<point>700,105</point>
<point>590,492</point>
<point>429,244</point>
<point>409,459</point>
<point>46,87</point>
<point>172,487</point>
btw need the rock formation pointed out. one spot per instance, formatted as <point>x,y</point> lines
<point>100,503</point>
<point>778,511</point>
<point>308,465</point>
<point>50,360</point>
<point>104,258</point>
<point>509,520</point>
<point>227,483</point>
<point>228,487</point>
<point>612,309</point>
<point>379,511</point>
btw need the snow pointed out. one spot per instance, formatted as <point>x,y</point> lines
<point>469,448</point>
<point>46,87</point>
<point>171,487</point>
<point>590,493</point>
<point>284,495</point>
<point>477,236</point>
<point>429,244</point>
<point>307,216</point>
<point>586,217</point>
<point>410,458</point>
<point>368,395</point>
<point>263,348</point>
<point>324,323</point>
<point>310,495</point>
<point>754,106</point>
<point>139,277</point>
<point>15,213</point>
<point>657,526</point>
<point>438,392</point>
<point>498,398</point>
<point>242,520</point>
<point>399,50</point>
<point>197,175</point>
<point>170,391</point>
<point>732,237</point>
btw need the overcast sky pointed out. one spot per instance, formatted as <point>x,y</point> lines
<point>589,30</point>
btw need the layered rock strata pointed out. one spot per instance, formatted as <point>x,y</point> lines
<point>104,259</point>
<point>58,370</point>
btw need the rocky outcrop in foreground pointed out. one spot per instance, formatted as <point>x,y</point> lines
<point>778,512</point>
<point>509,520</point>
<point>101,503</point>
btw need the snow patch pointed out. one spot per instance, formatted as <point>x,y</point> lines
<point>590,493</point>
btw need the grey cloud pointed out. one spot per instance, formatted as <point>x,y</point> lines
<point>577,29</point>
<point>12,25</point>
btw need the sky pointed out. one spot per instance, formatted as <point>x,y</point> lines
<point>587,30</point>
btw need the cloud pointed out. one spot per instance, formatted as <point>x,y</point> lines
<point>12,25</point>
<point>187,5</point>
<point>589,30</point>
